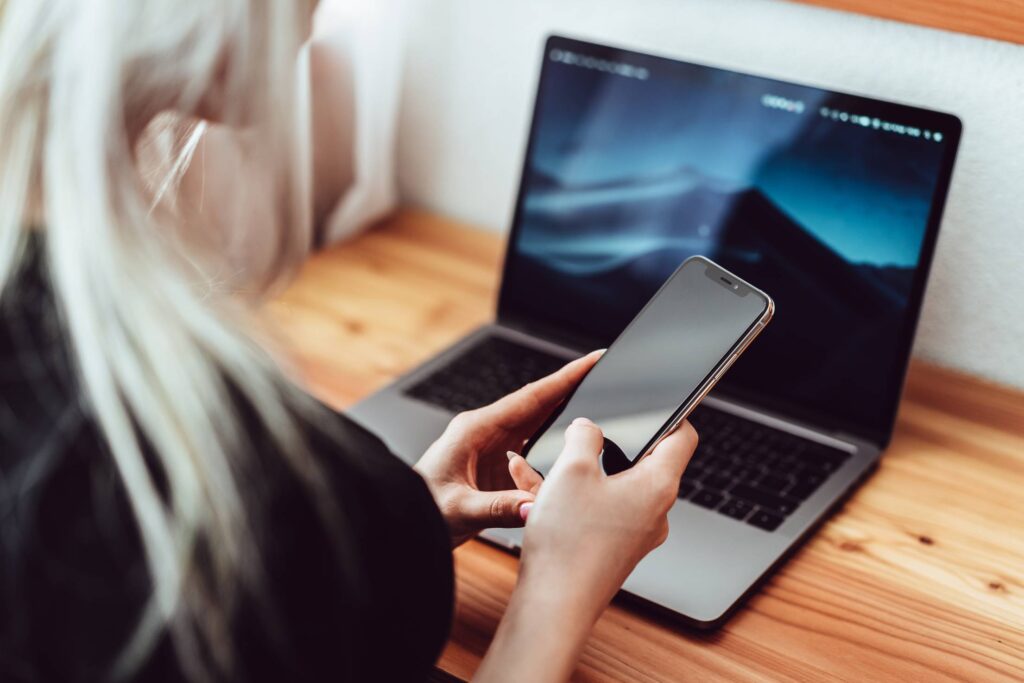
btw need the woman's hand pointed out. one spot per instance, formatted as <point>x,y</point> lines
<point>467,469</point>
<point>587,530</point>
<point>586,533</point>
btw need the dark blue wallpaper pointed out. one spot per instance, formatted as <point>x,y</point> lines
<point>823,209</point>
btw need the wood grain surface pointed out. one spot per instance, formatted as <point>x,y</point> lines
<point>920,577</point>
<point>999,19</point>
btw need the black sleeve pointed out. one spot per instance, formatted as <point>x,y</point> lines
<point>365,594</point>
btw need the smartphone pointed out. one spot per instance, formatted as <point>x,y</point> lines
<point>661,366</point>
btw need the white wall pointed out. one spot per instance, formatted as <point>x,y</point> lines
<point>471,74</point>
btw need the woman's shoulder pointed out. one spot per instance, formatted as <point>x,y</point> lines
<point>356,555</point>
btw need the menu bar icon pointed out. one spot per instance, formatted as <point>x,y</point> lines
<point>876,123</point>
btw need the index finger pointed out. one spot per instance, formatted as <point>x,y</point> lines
<point>672,454</point>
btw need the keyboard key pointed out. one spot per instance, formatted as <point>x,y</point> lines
<point>686,489</point>
<point>707,498</point>
<point>737,509</point>
<point>810,479</point>
<point>747,475</point>
<point>800,491</point>
<point>773,483</point>
<point>697,463</point>
<point>714,480</point>
<point>825,465</point>
<point>765,499</point>
<point>790,462</point>
<point>823,458</point>
<point>763,519</point>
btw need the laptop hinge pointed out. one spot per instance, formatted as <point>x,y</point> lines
<point>845,437</point>
<point>758,413</point>
<point>551,334</point>
<point>854,438</point>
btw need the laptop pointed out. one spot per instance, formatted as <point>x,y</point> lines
<point>830,202</point>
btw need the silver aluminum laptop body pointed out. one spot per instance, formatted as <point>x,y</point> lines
<point>710,562</point>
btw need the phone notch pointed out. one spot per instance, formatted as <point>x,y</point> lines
<point>725,279</point>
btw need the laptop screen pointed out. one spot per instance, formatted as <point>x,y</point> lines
<point>828,202</point>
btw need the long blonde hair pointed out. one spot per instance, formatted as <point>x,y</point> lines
<point>159,350</point>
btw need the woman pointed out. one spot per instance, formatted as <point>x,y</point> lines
<point>171,506</point>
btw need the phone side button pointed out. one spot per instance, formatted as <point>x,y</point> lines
<point>751,337</point>
<point>728,364</point>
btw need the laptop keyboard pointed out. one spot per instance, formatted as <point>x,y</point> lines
<point>753,473</point>
<point>741,469</point>
<point>487,371</point>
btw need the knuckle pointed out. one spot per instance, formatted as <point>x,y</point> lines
<point>662,533</point>
<point>498,508</point>
<point>463,420</point>
<point>670,502</point>
<point>658,533</point>
<point>692,437</point>
<point>664,491</point>
<point>576,467</point>
<point>656,488</point>
<point>450,505</point>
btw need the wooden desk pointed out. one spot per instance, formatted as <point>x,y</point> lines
<point>999,19</point>
<point>920,577</point>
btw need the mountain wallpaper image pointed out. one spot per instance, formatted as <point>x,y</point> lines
<point>628,178</point>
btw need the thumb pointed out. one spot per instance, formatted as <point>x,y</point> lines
<point>486,509</point>
<point>525,477</point>
<point>583,442</point>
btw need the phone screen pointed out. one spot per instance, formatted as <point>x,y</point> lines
<point>659,363</point>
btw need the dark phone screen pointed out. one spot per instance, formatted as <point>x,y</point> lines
<point>659,362</point>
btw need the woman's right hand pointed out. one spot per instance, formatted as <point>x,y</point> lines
<point>587,530</point>
<point>584,535</point>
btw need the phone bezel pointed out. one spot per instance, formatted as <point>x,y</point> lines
<point>710,379</point>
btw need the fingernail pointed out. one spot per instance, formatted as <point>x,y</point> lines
<point>582,421</point>
<point>524,510</point>
<point>511,454</point>
<point>600,351</point>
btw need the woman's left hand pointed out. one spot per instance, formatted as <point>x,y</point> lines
<point>467,469</point>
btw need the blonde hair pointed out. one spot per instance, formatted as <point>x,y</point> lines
<point>159,350</point>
